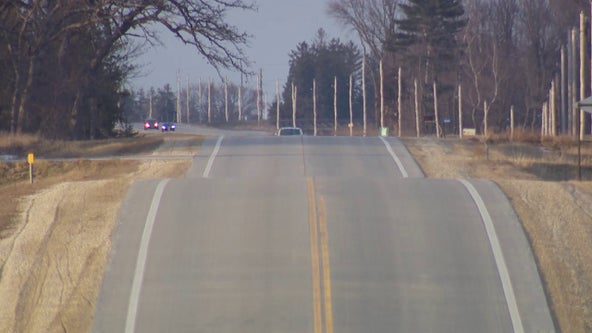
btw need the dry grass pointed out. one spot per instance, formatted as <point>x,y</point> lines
<point>64,222</point>
<point>14,181</point>
<point>557,219</point>
<point>20,145</point>
<point>555,210</point>
<point>550,158</point>
<point>14,175</point>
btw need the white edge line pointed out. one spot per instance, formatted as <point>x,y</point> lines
<point>502,268</point>
<point>208,168</point>
<point>395,158</point>
<point>132,308</point>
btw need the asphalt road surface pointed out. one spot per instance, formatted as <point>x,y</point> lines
<point>318,234</point>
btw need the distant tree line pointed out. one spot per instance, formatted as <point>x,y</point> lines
<point>63,62</point>
<point>195,103</point>
<point>320,63</point>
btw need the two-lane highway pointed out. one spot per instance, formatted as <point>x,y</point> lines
<point>318,234</point>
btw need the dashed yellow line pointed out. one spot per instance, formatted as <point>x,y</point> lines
<point>320,261</point>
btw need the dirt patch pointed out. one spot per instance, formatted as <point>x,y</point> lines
<point>556,214</point>
<point>54,250</point>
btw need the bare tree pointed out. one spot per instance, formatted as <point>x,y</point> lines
<point>488,46</point>
<point>375,23</point>
<point>32,29</point>
<point>541,47</point>
<point>476,61</point>
<point>200,23</point>
<point>29,28</point>
<point>372,20</point>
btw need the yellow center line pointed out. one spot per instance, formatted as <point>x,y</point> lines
<point>326,266</point>
<point>314,251</point>
<point>317,217</point>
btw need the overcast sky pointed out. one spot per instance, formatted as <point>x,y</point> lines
<point>277,27</point>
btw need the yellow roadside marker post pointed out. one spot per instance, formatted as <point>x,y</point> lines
<point>31,161</point>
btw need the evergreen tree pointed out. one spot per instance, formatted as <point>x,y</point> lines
<point>426,42</point>
<point>428,35</point>
<point>321,61</point>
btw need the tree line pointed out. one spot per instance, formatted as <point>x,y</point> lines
<point>503,53</point>
<point>63,62</point>
<point>319,79</point>
<point>206,102</point>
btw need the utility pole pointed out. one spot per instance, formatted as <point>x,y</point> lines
<point>381,97</point>
<point>335,106</point>
<point>512,125</point>
<point>226,99</point>
<point>150,108</point>
<point>240,101</point>
<point>564,92</point>
<point>240,98</point>
<point>264,103</point>
<point>553,109</point>
<point>178,97</point>
<point>573,83</point>
<point>187,98</point>
<point>583,57</point>
<point>294,96</point>
<point>199,100</point>
<point>399,101</point>
<point>364,92</point>
<point>277,106</point>
<point>436,115</point>
<point>314,105</point>
<point>460,112</point>
<point>259,90</point>
<point>209,101</point>
<point>417,129</point>
<point>485,118</point>
<point>351,106</point>
<point>544,121</point>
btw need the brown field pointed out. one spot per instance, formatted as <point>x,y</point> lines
<point>55,234</point>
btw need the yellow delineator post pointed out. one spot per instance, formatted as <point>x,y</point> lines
<point>31,161</point>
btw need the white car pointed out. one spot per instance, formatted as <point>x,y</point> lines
<point>285,131</point>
